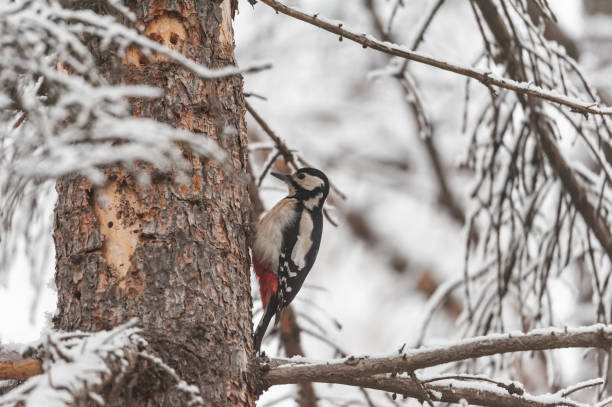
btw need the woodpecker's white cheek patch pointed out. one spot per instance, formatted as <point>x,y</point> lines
<point>309,182</point>
<point>304,242</point>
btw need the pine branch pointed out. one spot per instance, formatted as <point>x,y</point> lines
<point>79,366</point>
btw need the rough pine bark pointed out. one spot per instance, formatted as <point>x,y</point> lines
<point>174,255</point>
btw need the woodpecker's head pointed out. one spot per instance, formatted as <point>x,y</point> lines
<point>308,185</point>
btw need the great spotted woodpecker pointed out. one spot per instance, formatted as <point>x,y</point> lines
<point>287,242</point>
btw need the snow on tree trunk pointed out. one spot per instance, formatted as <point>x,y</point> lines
<point>173,254</point>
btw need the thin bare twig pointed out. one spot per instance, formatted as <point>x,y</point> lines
<point>288,156</point>
<point>280,144</point>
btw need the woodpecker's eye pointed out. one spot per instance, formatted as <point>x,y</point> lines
<point>301,176</point>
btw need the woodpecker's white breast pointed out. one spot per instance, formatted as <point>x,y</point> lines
<point>304,241</point>
<point>269,237</point>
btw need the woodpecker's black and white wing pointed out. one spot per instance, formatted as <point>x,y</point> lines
<point>299,251</point>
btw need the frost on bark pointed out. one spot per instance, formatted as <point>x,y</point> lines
<point>173,254</point>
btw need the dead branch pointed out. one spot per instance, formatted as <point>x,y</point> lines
<point>19,369</point>
<point>285,371</point>
<point>487,78</point>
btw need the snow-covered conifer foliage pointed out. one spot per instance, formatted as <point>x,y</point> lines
<point>58,115</point>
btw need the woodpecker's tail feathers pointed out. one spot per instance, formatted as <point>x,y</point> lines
<point>260,331</point>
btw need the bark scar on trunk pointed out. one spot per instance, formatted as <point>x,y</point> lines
<point>168,29</point>
<point>226,32</point>
<point>120,239</point>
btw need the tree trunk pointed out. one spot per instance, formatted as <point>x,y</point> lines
<point>174,255</point>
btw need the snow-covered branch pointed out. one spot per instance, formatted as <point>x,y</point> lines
<point>126,36</point>
<point>486,77</point>
<point>78,366</point>
<point>538,216</point>
<point>284,371</point>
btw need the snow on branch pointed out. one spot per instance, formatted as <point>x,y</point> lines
<point>486,77</point>
<point>285,371</point>
<point>77,366</point>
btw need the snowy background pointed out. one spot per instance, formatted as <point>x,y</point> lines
<point>324,102</point>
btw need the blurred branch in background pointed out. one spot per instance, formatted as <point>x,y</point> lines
<point>426,279</point>
<point>289,160</point>
<point>290,341</point>
<point>426,128</point>
<point>552,30</point>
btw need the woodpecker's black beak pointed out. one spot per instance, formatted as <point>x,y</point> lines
<point>283,177</point>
